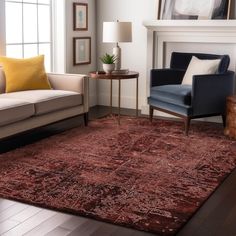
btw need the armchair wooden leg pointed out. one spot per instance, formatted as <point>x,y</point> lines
<point>150,113</point>
<point>187,124</point>
<point>86,119</point>
<point>224,119</point>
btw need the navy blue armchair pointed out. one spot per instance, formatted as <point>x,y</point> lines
<point>205,97</point>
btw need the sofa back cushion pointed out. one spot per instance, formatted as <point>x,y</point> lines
<point>24,74</point>
<point>181,60</point>
<point>2,81</point>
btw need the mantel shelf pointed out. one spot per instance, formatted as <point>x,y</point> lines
<point>191,25</point>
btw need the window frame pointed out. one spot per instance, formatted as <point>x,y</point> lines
<point>38,43</point>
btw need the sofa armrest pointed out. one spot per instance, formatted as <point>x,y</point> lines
<point>166,76</point>
<point>209,92</point>
<point>71,82</point>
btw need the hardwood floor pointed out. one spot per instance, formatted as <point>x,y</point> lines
<point>217,217</point>
<point>20,219</point>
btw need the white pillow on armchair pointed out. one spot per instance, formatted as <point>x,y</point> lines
<point>200,67</point>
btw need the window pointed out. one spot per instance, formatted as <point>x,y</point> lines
<point>28,29</point>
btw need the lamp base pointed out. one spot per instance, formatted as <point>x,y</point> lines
<point>117,53</point>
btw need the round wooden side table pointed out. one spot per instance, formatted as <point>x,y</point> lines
<point>100,75</point>
<point>230,129</point>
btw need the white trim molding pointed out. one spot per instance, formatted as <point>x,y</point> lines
<point>59,36</point>
<point>2,29</point>
<point>190,25</point>
<point>187,31</point>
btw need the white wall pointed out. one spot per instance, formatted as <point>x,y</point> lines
<point>59,36</point>
<point>70,33</point>
<point>133,54</point>
<point>2,28</point>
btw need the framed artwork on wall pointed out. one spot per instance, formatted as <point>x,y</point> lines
<point>82,50</point>
<point>221,9</point>
<point>158,7</point>
<point>192,9</point>
<point>80,16</point>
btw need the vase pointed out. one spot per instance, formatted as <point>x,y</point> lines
<point>108,68</point>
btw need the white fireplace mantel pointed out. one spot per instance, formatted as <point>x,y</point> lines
<point>190,25</point>
<point>187,31</point>
<point>160,32</point>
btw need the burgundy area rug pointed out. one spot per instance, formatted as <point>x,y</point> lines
<point>146,176</point>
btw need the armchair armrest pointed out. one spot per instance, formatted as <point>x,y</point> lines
<point>209,92</point>
<point>166,76</point>
<point>71,82</point>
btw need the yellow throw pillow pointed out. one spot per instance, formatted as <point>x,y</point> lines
<point>24,74</point>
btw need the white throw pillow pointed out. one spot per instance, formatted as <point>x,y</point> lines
<point>200,67</point>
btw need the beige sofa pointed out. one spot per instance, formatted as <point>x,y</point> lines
<point>26,110</point>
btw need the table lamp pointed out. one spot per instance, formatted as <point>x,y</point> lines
<point>117,32</point>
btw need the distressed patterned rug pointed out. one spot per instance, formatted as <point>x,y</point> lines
<point>146,176</point>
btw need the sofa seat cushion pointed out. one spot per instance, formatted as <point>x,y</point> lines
<point>46,101</point>
<point>13,110</point>
<point>173,94</point>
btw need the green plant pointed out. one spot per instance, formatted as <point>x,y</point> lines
<point>108,59</point>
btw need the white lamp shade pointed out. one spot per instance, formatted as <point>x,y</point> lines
<point>115,32</point>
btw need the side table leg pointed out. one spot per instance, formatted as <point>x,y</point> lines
<point>136,97</point>
<point>111,98</point>
<point>119,102</point>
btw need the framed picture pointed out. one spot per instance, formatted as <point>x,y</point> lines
<point>158,4</point>
<point>192,9</point>
<point>221,9</point>
<point>82,50</point>
<point>80,16</point>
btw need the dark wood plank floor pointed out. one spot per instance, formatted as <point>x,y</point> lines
<point>217,217</point>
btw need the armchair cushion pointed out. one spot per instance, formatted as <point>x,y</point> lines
<point>200,67</point>
<point>174,94</point>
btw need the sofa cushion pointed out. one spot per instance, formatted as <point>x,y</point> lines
<point>12,110</point>
<point>2,81</point>
<point>173,94</point>
<point>46,101</point>
<point>24,74</point>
